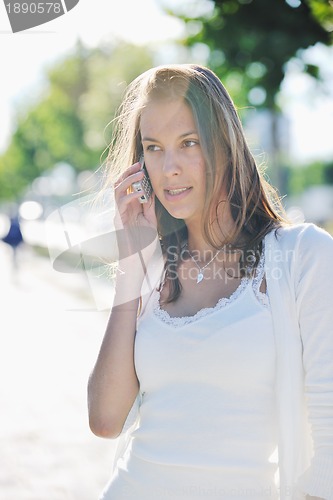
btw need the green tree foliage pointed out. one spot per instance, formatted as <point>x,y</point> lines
<point>251,41</point>
<point>68,121</point>
<point>314,174</point>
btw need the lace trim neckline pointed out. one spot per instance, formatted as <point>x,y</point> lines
<point>177,321</point>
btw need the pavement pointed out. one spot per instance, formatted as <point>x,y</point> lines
<point>50,334</point>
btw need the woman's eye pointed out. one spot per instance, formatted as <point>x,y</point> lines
<point>190,143</point>
<point>153,147</point>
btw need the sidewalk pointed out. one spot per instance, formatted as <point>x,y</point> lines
<point>50,333</point>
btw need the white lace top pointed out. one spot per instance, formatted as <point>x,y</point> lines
<point>207,384</point>
<point>224,301</point>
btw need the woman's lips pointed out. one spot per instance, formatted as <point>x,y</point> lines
<point>175,194</point>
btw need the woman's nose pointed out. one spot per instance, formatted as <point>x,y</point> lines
<point>171,164</point>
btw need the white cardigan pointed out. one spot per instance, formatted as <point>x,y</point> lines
<point>299,274</point>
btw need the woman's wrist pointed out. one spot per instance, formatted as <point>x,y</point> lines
<point>135,274</point>
<point>129,277</point>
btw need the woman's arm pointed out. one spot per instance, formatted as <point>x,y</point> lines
<point>315,312</point>
<point>113,384</point>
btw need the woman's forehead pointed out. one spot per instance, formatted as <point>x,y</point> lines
<point>161,115</point>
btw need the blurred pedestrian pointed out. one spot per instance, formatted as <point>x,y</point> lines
<point>14,238</point>
<point>229,358</point>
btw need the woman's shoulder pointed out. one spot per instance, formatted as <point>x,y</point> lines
<point>304,234</point>
<point>305,244</point>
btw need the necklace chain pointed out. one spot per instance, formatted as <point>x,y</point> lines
<point>201,269</point>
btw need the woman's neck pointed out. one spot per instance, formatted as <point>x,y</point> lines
<point>197,242</point>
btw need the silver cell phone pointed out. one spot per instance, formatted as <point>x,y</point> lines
<point>144,185</point>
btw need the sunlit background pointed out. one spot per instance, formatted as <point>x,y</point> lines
<point>60,86</point>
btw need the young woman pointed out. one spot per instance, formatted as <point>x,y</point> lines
<point>226,358</point>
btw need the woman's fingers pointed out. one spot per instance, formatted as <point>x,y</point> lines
<point>136,220</point>
<point>129,209</point>
<point>132,174</point>
<point>122,188</point>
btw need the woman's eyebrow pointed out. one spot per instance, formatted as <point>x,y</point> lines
<point>149,139</point>
<point>191,132</point>
<point>186,134</point>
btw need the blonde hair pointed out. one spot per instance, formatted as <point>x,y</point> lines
<point>230,166</point>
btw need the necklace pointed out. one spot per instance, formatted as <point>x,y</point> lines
<point>201,269</point>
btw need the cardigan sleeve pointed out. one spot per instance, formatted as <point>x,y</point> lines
<point>314,293</point>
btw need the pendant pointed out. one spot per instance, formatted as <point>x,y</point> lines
<point>199,277</point>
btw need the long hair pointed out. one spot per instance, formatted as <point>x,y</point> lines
<point>230,167</point>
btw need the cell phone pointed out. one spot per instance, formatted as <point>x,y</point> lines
<point>144,185</point>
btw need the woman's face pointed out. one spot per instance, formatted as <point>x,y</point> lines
<point>174,158</point>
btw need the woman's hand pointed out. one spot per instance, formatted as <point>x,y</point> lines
<point>135,222</point>
<point>113,384</point>
<point>130,212</point>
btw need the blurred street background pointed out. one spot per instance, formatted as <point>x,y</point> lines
<point>49,340</point>
<point>61,85</point>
